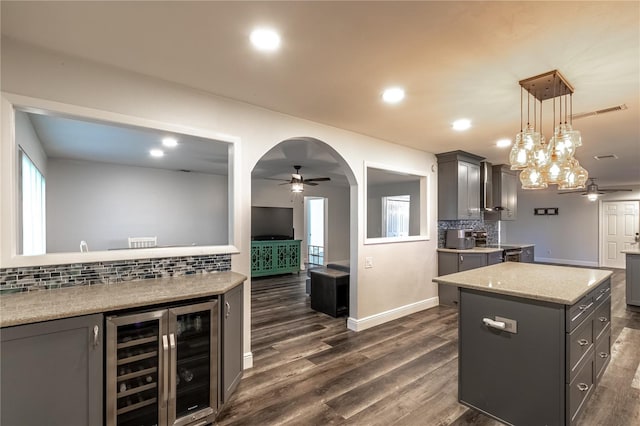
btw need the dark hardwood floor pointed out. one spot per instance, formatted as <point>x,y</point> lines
<point>310,370</point>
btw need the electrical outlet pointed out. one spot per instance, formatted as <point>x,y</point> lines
<point>548,251</point>
<point>368,262</point>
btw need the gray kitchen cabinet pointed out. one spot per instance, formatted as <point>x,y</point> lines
<point>52,372</point>
<point>458,185</point>
<point>505,191</point>
<point>231,359</point>
<point>452,262</point>
<point>543,367</point>
<point>527,255</point>
<point>633,279</point>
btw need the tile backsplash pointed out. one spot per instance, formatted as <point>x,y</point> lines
<point>55,276</point>
<point>490,226</point>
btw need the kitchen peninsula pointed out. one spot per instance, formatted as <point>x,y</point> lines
<point>534,340</point>
<point>633,277</point>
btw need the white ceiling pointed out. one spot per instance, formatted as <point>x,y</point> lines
<point>455,59</point>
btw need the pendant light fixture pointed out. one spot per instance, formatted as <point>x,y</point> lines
<point>543,164</point>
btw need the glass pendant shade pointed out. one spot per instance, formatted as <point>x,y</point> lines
<point>532,178</point>
<point>522,149</point>
<point>540,154</point>
<point>553,169</point>
<point>573,176</point>
<point>297,187</point>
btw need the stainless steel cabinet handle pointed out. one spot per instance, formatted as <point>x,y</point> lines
<point>494,324</point>
<point>461,258</point>
<point>583,386</point>
<point>228,309</point>
<point>602,319</point>
<point>603,355</point>
<point>165,347</point>
<point>583,342</point>
<point>96,331</point>
<point>174,361</point>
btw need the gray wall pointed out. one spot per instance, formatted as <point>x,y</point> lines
<point>572,236</point>
<point>27,138</point>
<point>104,204</point>
<point>374,206</point>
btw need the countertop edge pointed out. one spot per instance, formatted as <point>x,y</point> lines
<point>525,295</point>
<point>77,310</point>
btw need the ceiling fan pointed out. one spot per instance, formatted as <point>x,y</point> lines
<point>297,182</point>
<point>592,192</point>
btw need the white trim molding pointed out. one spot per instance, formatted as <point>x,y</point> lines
<point>568,262</point>
<point>390,315</point>
<point>247,361</point>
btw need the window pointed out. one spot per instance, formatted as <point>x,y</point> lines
<point>395,215</point>
<point>32,193</point>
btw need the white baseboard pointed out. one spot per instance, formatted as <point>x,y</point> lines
<point>377,319</point>
<point>247,361</point>
<point>568,262</point>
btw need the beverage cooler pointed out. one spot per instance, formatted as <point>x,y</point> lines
<point>162,366</point>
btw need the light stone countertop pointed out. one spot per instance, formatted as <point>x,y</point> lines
<point>471,250</point>
<point>45,305</point>
<point>632,251</point>
<point>556,284</point>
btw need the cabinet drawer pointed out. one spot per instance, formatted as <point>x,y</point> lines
<point>578,312</point>
<point>579,344</point>
<point>600,293</point>
<point>603,354</point>
<point>602,318</point>
<point>580,389</point>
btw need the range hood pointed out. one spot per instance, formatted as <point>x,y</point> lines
<point>487,186</point>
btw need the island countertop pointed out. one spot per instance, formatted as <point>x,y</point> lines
<point>631,251</point>
<point>45,305</point>
<point>557,284</point>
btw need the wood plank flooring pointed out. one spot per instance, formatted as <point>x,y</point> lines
<point>310,370</point>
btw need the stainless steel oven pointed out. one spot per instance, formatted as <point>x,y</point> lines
<point>512,254</point>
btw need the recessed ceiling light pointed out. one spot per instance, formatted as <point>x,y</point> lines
<point>462,124</point>
<point>156,153</point>
<point>170,142</point>
<point>503,143</point>
<point>393,95</point>
<point>265,39</point>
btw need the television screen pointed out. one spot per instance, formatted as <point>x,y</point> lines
<point>271,223</point>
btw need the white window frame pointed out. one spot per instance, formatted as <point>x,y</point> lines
<point>33,235</point>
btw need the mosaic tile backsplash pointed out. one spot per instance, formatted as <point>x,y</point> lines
<point>56,276</point>
<point>477,225</point>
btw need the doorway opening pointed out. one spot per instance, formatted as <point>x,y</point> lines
<point>315,229</point>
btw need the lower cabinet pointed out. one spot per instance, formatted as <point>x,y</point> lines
<point>542,368</point>
<point>52,372</point>
<point>452,262</point>
<point>633,279</point>
<point>527,255</point>
<point>231,341</point>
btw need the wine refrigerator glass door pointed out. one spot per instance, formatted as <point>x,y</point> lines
<point>137,352</point>
<point>193,342</point>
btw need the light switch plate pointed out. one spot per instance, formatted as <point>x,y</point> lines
<point>368,262</point>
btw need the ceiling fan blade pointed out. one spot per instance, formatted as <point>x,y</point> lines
<point>280,180</point>
<point>322,179</point>
<point>573,192</point>
<point>310,183</point>
<point>612,190</point>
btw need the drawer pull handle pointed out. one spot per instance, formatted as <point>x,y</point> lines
<point>603,319</point>
<point>583,342</point>
<point>495,324</point>
<point>604,355</point>
<point>583,307</point>
<point>583,387</point>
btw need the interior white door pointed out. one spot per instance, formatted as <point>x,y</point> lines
<point>619,223</point>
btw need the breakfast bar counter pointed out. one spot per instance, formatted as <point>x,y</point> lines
<point>534,340</point>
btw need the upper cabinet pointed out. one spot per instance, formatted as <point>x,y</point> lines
<point>505,191</point>
<point>458,185</point>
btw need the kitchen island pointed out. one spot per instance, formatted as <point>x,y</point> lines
<point>534,340</point>
<point>632,277</point>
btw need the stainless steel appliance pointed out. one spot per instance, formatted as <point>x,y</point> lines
<point>512,254</point>
<point>162,366</point>
<point>460,239</point>
<point>481,238</point>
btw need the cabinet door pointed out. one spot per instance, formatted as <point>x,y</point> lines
<point>52,372</point>
<point>509,195</point>
<point>527,255</point>
<point>468,190</point>
<point>493,258</point>
<point>231,341</point>
<point>633,279</point>
<point>468,261</point>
